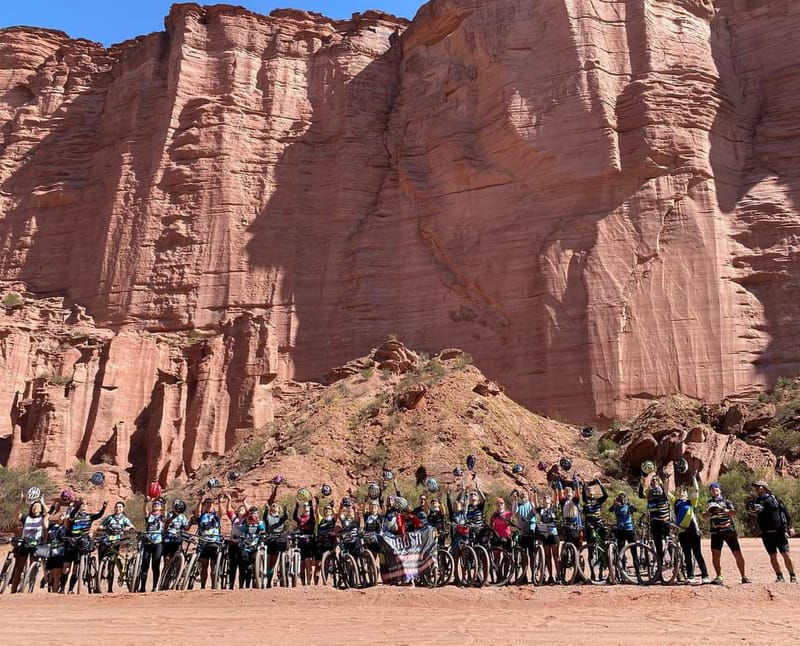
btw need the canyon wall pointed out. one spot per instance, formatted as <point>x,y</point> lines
<point>597,199</point>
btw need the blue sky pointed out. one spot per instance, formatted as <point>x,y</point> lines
<point>112,21</point>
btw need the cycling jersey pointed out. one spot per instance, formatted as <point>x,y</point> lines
<point>769,516</point>
<point>657,504</point>
<point>500,522</point>
<point>236,527</point>
<point>593,507</point>
<point>326,525</point>
<point>623,513</point>
<point>174,524</point>
<point>474,513</point>
<point>275,524</point>
<point>115,525</point>
<point>719,519</point>
<point>349,524</point>
<point>436,519</point>
<point>685,517</point>
<point>208,524</point>
<point>420,513</point>
<point>81,522</point>
<point>305,522</point>
<point>250,533</point>
<point>373,523</point>
<point>571,512</point>
<point>32,527</point>
<point>525,517</point>
<point>154,527</point>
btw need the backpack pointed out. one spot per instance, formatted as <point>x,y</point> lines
<point>783,513</point>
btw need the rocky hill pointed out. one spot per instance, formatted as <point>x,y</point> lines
<point>597,200</point>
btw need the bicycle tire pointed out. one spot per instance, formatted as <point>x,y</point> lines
<point>214,567</point>
<point>637,564</point>
<point>189,575</point>
<point>519,559</point>
<point>5,573</point>
<point>30,577</point>
<point>611,556</point>
<point>466,566</point>
<point>501,567</point>
<point>105,564</point>
<point>369,574</point>
<point>349,572</point>
<point>596,564</point>
<point>568,563</point>
<point>538,566</point>
<point>296,564</point>
<point>446,567</point>
<point>132,571</point>
<point>76,574</point>
<point>172,572</point>
<point>484,565</point>
<point>329,569</point>
<point>671,563</point>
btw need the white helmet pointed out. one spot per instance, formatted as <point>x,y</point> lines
<point>34,494</point>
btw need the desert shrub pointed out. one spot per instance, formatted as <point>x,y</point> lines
<point>79,474</point>
<point>783,441</point>
<point>14,484</point>
<point>366,373</point>
<point>11,300</point>
<point>462,361</point>
<point>377,455</point>
<point>428,373</point>
<point>59,380</point>
<point>249,453</point>
<point>418,438</point>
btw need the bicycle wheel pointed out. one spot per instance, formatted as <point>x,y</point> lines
<point>484,565</point>
<point>671,563</point>
<point>260,568</point>
<point>349,571</point>
<point>538,566</point>
<point>446,567</point>
<point>367,570</point>
<point>611,559</point>
<point>76,575</point>
<point>91,575</point>
<point>30,578</point>
<point>466,566</point>
<point>637,564</point>
<point>296,563</point>
<point>568,563</point>
<point>519,561</point>
<point>595,561</point>
<point>132,571</point>
<point>107,571</point>
<point>189,574</point>
<point>172,572</point>
<point>214,565</point>
<point>329,569</point>
<point>5,573</point>
<point>501,567</point>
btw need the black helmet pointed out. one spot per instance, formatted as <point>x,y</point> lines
<point>98,478</point>
<point>347,502</point>
<point>179,506</point>
<point>233,476</point>
<point>325,490</point>
<point>388,474</point>
<point>471,462</point>
<point>458,472</point>
<point>518,468</point>
<point>587,431</point>
<point>681,465</point>
<point>565,463</point>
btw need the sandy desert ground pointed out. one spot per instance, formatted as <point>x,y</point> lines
<point>763,613</point>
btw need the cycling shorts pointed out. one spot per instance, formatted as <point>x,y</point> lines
<point>775,542</point>
<point>731,539</point>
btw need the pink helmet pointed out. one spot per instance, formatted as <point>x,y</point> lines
<point>66,496</point>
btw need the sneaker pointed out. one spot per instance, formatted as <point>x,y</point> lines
<point>746,580</point>
<point>692,581</point>
<point>718,581</point>
<point>780,579</point>
<point>550,581</point>
<point>706,580</point>
<point>792,578</point>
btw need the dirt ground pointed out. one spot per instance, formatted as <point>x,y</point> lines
<point>763,613</point>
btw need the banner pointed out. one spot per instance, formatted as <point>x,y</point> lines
<point>407,557</point>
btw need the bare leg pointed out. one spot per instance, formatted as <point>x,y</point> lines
<point>739,562</point>
<point>716,561</point>
<point>787,559</point>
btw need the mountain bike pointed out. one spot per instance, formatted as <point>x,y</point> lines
<point>174,566</point>
<point>115,560</point>
<point>191,572</point>
<point>446,567</point>
<point>34,575</point>
<point>672,563</point>
<point>598,557</point>
<point>366,567</point>
<point>339,568</point>
<point>569,559</point>
<point>8,565</point>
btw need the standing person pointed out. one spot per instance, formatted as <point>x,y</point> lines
<point>251,529</point>
<point>721,513</point>
<point>154,543</point>
<point>475,505</point>
<point>274,518</point>
<point>776,526</point>
<point>623,510</point>
<point>78,526</point>
<point>658,508</point>
<point>207,517</point>
<point>593,507</point>
<point>525,520</point>
<point>175,523</point>
<point>306,522</point>
<point>685,505</point>
<point>235,554</point>
<point>501,521</point>
<point>34,533</point>
<point>115,525</point>
<point>436,520</point>
<point>547,531</point>
<point>570,506</point>
<point>56,540</point>
<point>421,510</point>
<point>326,535</point>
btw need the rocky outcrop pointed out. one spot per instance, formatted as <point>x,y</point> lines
<point>597,219</point>
<point>144,406</point>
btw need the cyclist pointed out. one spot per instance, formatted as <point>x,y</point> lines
<point>78,525</point>
<point>251,529</point>
<point>153,543</point>
<point>114,526</point>
<point>721,513</point>
<point>326,535</point>
<point>658,508</point>
<point>234,552</point>
<point>175,523</point>
<point>305,519</point>
<point>373,524</point>
<point>501,521</point>
<point>274,518</point>
<point>592,509</point>
<point>475,505</point>
<point>207,518</point>
<point>525,519</point>
<point>436,519</point>
<point>570,507</point>
<point>349,523</point>
<point>56,538</point>
<point>685,505</point>
<point>623,510</point>
<point>34,532</point>
<point>775,525</point>
<point>420,511</point>
<point>458,522</point>
<point>547,532</point>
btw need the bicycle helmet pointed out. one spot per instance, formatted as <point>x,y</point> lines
<point>398,502</point>
<point>587,431</point>
<point>278,479</point>
<point>233,476</point>
<point>471,462</point>
<point>565,463</point>
<point>388,474</point>
<point>648,467</point>
<point>347,502</point>
<point>518,468</point>
<point>34,493</point>
<point>98,478</point>
<point>458,472</point>
<point>66,496</point>
<point>179,506</point>
<point>432,485</point>
<point>213,483</point>
<point>154,490</point>
<point>326,490</point>
<point>303,495</point>
<point>373,490</point>
<point>681,465</point>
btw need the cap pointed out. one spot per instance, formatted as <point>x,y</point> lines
<point>716,485</point>
<point>761,483</point>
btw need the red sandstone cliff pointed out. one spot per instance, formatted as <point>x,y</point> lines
<point>598,200</point>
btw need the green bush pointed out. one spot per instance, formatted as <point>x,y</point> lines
<point>14,484</point>
<point>79,474</point>
<point>11,300</point>
<point>782,441</point>
<point>249,453</point>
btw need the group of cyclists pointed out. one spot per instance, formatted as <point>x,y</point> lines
<point>554,535</point>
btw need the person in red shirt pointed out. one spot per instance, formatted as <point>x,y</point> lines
<point>502,522</point>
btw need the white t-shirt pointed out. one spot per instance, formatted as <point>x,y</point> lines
<point>33,527</point>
